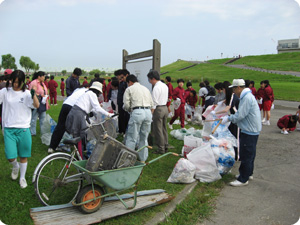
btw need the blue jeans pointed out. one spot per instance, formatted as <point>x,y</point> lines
<point>247,156</point>
<point>35,115</point>
<point>139,127</point>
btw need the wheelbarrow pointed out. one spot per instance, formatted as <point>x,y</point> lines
<point>90,198</point>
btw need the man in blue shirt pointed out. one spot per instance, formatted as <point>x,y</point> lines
<point>72,82</point>
<point>248,119</point>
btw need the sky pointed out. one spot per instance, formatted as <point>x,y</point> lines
<point>91,34</point>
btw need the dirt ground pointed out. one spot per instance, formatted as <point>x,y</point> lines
<point>273,196</point>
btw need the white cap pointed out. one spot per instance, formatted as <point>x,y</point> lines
<point>97,85</point>
<point>237,82</point>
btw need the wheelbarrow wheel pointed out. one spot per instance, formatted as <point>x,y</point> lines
<point>86,194</point>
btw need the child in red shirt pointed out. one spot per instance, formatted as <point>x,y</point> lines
<point>52,84</point>
<point>287,123</point>
<point>179,93</point>
<point>170,86</point>
<point>62,87</point>
<point>192,100</point>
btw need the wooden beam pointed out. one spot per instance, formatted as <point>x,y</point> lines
<point>139,55</point>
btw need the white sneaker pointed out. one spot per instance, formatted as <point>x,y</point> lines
<point>171,126</point>
<point>285,132</point>
<point>282,131</point>
<point>189,120</point>
<point>267,123</point>
<point>237,183</point>
<point>263,120</point>
<point>23,183</point>
<point>15,173</point>
<point>50,150</point>
<point>250,177</point>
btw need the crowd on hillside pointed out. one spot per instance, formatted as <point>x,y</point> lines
<point>25,100</point>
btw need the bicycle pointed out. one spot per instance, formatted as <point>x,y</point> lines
<point>56,181</point>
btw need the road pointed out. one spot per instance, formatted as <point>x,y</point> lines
<point>273,196</point>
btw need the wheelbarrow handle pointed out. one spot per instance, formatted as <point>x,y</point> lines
<point>168,153</point>
<point>146,146</point>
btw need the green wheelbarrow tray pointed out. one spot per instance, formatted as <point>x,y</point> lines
<point>116,179</point>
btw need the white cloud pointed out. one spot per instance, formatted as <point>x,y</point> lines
<point>226,10</point>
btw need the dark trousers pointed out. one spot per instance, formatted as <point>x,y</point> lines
<point>60,127</point>
<point>209,102</point>
<point>247,156</point>
<point>123,119</point>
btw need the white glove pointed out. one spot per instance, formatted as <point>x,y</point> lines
<point>213,112</point>
<point>178,99</point>
<point>225,119</point>
<point>44,100</point>
<point>110,114</point>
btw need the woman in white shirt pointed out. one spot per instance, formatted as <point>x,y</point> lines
<point>76,120</point>
<point>16,116</point>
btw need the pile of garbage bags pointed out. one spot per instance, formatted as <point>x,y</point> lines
<point>212,155</point>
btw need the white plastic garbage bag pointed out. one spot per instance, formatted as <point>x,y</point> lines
<point>189,110</point>
<point>107,106</point>
<point>224,154</point>
<point>176,103</point>
<point>47,129</point>
<point>183,172</point>
<point>190,142</point>
<point>203,158</point>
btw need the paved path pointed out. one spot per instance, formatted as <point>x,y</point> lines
<point>273,197</point>
<point>297,74</point>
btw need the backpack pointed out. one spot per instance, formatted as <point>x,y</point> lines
<point>211,91</point>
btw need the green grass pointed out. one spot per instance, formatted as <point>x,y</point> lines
<point>286,87</point>
<point>283,62</point>
<point>16,202</point>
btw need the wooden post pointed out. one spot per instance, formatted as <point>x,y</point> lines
<point>124,61</point>
<point>156,55</point>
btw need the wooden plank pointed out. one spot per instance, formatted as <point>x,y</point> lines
<point>139,55</point>
<point>110,209</point>
<point>113,198</point>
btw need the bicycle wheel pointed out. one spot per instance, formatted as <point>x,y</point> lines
<point>57,181</point>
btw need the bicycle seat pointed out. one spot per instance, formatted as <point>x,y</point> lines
<point>72,141</point>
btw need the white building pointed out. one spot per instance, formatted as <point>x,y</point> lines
<point>288,45</point>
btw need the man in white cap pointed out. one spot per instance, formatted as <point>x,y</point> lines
<point>248,120</point>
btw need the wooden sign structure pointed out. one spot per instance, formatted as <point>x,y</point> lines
<point>154,53</point>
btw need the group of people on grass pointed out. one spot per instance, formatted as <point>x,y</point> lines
<point>140,112</point>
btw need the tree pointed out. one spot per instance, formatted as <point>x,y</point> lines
<point>8,62</point>
<point>37,67</point>
<point>63,72</point>
<point>92,72</point>
<point>27,63</point>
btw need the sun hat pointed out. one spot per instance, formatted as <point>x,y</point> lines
<point>97,85</point>
<point>8,72</point>
<point>237,82</point>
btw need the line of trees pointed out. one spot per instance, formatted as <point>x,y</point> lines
<point>9,62</point>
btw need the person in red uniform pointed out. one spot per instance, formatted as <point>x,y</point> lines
<point>85,82</point>
<point>192,100</point>
<point>46,81</point>
<point>287,123</point>
<point>267,100</point>
<point>188,89</point>
<point>170,87</point>
<point>179,94</point>
<point>259,96</point>
<point>62,87</point>
<point>52,84</point>
<point>28,81</point>
<point>252,88</point>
